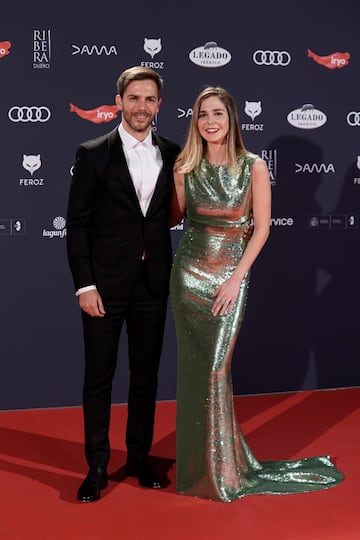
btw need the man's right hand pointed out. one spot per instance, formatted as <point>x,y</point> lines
<point>91,303</point>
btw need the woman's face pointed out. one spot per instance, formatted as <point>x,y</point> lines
<point>213,121</point>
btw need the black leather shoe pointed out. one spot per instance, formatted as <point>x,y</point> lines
<point>96,479</point>
<point>146,476</point>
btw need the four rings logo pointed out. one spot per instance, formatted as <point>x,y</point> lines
<point>29,114</point>
<point>353,118</point>
<point>271,58</point>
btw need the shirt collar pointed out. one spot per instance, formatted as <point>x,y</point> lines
<point>131,142</point>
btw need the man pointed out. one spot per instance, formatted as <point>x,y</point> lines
<point>119,250</point>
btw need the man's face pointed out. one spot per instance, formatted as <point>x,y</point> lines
<point>139,106</point>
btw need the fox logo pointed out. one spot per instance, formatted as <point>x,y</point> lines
<point>31,163</point>
<point>152,46</point>
<point>253,109</point>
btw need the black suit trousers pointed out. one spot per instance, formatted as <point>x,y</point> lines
<point>144,317</point>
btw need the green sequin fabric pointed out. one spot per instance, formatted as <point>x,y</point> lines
<point>213,459</point>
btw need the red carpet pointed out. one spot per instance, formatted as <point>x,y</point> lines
<point>42,465</point>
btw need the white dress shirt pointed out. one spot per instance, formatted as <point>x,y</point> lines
<point>144,162</point>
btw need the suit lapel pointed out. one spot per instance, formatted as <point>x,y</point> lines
<point>118,163</point>
<point>162,178</point>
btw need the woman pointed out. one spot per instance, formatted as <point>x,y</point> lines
<point>223,189</point>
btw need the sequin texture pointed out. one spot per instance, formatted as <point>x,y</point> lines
<point>213,458</point>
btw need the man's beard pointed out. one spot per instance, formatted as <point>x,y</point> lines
<point>135,124</point>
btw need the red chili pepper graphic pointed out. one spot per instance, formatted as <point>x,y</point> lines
<point>332,61</point>
<point>4,48</point>
<point>104,113</point>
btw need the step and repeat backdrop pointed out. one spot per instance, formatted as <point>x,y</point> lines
<point>294,73</point>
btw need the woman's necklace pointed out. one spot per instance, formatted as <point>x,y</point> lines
<point>217,162</point>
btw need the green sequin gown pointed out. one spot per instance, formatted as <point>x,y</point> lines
<point>213,460</point>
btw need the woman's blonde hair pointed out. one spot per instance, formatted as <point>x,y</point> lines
<point>195,145</point>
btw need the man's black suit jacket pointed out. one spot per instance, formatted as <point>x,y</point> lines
<point>107,233</point>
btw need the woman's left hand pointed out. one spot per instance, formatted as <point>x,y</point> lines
<point>226,296</point>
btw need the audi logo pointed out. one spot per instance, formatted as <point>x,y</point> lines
<point>29,114</point>
<point>271,58</point>
<point>353,118</point>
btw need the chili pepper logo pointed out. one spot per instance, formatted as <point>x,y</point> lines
<point>4,48</point>
<point>104,113</point>
<point>332,61</point>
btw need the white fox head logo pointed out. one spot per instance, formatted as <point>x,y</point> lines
<point>152,46</point>
<point>253,109</point>
<point>31,163</point>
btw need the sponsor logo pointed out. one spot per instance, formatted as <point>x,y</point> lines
<point>27,113</point>
<point>271,58</point>
<point>253,109</point>
<point>152,46</point>
<point>282,222</point>
<point>307,117</point>
<point>153,65</point>
<point>178,227</point>
<point>210,55</point>
<point>352,221</point>
<point>4,48</point>
<point>314,167</point>
<point>41,49</point>
<point>93,49</point>
<point>59,228</point>
<point>357,179</point>
<point>345,221</point>
<point>353,118</point>
<point>184,113</point>
<point>154,123</point>
<point>332,61</point>
<point>269,155</point>
<point>104,113</point>
<point>12,227</point>
<point>18,225</point>
<point>31,163</point>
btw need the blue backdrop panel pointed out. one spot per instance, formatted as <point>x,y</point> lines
<point>294,73</point>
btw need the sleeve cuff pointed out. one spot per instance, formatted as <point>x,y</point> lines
<point>85,289</point>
